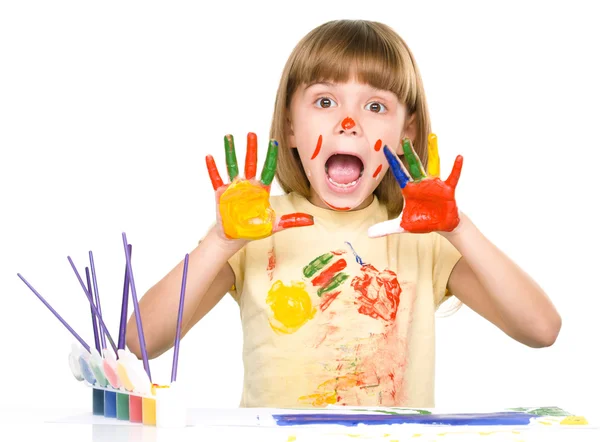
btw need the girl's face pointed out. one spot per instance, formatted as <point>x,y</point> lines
<point>339,130</point>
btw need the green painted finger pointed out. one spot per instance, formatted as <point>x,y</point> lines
<point>230,158</point>
<point>268,172</point>
<point>414,163</point>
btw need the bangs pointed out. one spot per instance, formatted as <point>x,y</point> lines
<point>355,49</point>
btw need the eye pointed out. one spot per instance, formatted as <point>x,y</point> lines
<point>325,102</point>
<point>375,106</point>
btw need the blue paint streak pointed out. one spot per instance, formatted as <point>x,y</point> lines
<point>358,259</point>
<point>352,420</point>
<point>396,167</point>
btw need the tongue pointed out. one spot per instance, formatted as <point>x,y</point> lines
<point>344,169</point>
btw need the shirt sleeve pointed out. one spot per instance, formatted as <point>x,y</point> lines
<point>445,257</point>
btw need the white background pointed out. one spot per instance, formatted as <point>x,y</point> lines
<point>108,109</point>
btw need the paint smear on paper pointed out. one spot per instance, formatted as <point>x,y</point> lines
<point>291,307</point>
<point>498,418</point>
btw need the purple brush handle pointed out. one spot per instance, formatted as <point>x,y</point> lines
<point>94,324</point>
<point>123,324</point>
<point>179,319</point>
<point>96,296</point>
<point>81,341</point>
<point>89,297</point>
<point>138,318</point>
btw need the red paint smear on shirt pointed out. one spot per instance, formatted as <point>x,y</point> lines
<point>378,293</point>
<point>429,206</point>
<point>378,171</point>
<point>378,146</point>
<point>327,300</point>
<point>271,264</point>
<point>326,275</point>
<point>318,148</point>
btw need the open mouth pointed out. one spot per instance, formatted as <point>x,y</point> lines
<point>344,170</point>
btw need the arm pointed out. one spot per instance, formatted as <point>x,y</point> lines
<point>209,278</point>
<point>492,285</point>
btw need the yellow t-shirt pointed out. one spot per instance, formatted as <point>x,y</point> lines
<point>331,316</point>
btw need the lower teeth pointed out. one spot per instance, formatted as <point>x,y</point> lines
<point>342,185</point>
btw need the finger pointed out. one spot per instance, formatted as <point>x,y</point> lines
<point>268,172</point>
<point>384,228</point>
<point>415,167</point>
<point>397,167</point>
<point>452,180</point>
<point>293,220</point>
<point>250,170</point>
<point>213,172</point>
<point>433,156</point>
<point>230,158</point>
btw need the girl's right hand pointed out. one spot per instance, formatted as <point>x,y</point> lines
<point>244,211</point>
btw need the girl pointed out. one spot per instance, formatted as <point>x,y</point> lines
<point>338,280</point>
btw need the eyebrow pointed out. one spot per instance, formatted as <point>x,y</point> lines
<point>322,83</point>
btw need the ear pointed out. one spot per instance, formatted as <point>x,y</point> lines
<point>409,131</point>
<point>289,133</point>
<point>410,127</point>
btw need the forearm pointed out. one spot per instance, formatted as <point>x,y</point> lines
<point>525,310</point>
<point>160,305</point>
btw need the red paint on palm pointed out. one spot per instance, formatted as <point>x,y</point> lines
<point>379,293</point>
<point>429,205</point>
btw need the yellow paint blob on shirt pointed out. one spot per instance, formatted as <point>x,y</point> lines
<point>291,306</point>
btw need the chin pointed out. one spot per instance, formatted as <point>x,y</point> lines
<point>345,199</point>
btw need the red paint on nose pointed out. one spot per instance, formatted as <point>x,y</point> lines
<point>348,123</point>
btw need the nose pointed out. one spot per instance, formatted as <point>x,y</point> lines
<point>347,125</point>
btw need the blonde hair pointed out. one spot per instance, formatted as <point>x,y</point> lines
<point>333,51</point>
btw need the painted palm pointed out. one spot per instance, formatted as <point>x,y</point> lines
<point>429,202</point>
<point>245,211</point>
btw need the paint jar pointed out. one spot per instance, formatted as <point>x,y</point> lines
<point>135,408</point>
<point>74,362</point>
<point>97,402</point>
<point>122,406</point>
<point>86,370</point>
<point>171,409</point>
<point>95,362</point>
<point>148,410</point>
<point>109,364</point>
<point>110,403</point>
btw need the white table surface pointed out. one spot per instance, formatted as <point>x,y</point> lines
<point>79,425</point>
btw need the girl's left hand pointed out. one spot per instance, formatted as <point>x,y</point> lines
<point>429,203</point>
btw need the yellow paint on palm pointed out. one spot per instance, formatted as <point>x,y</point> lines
<point>246,211</point>
<point>124,377</point>
<point>291,307</point>
<point>433,156</point>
